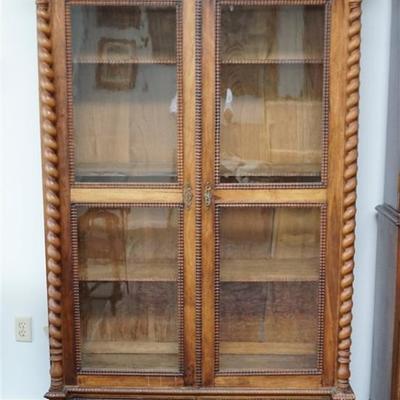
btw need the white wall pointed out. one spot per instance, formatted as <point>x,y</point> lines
<point>25,365</point>
<point>24,369</point>
<point>373,112</point>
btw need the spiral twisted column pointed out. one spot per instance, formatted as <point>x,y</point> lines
<point>51,192</point>
<point>349,195</point>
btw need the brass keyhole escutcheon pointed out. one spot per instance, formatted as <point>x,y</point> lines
<point>208,195</point>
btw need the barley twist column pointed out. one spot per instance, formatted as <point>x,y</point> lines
<point>349,199</point>
<point>51,192</point>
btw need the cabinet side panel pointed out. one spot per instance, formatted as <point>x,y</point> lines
<point>392,166</point>
<point>385,288</point>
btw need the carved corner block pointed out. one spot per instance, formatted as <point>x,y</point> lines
<point>343,395</point>
<point>55,395</point>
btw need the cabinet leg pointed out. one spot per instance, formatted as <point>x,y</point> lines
<point>55,395</point>
<point>343,395</point>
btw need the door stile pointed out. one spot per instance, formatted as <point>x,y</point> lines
<point>337,72</point>
<point>209,294</point>
<point>58,38</point>
<point>189,186</point>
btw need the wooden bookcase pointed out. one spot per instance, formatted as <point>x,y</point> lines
<point>199,164</point>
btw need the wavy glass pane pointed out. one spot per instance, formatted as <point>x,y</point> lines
<point>124,85</point>
<point>128,274</point>
<point>272,33</point>
<point>269,288</point>
<point>271,94</point>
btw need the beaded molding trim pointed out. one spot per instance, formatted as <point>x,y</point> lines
<point>198,188</point>
<point>51,194</point>
<point>179,89</point>
<point>201,391</point>
<point>76,281</point>
<point>349,193</point>
<point>321,291</point>
<point>325,92</point>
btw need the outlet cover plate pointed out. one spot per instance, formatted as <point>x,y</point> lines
<point>23,329</point>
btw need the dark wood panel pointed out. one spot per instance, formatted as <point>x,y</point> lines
<point>392,167</point>
<point>385,379</point>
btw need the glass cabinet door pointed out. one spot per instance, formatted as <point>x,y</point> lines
<point>126,97</point>
<point>266,173</point>
<point>125,130</point>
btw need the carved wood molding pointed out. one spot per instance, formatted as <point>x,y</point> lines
<point>255,393</point>
<point>343,396</point>
<point>198,198</point>
<point>349,194</point>
<point>51,193</point>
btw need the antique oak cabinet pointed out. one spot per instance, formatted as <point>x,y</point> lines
<point>199,163</point>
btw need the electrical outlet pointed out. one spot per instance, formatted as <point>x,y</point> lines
<point>23,329</point>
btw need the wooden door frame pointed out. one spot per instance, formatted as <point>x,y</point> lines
<point>60,193</point>
<point>339,194</point>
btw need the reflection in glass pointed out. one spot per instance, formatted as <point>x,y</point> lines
<point>269,288</point>
<point>271,123</point>
<point>129,135</point>
<point>272,32</point>
<point>271,90</point>
<point>123,33</point>
<point>124,93</point>
<point>128,271</point>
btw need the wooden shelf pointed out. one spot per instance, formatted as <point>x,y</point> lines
<point>254,168</point>
<point>131,60</point>
<point>139,271</point>
<point>270,270</point>
<point>131,362</point>
<point>272,61</point>
<point>287,362</point>
<point>131,355</point>
<point>124,172</point>
<point>132,347</point>
<point>257,348</point>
